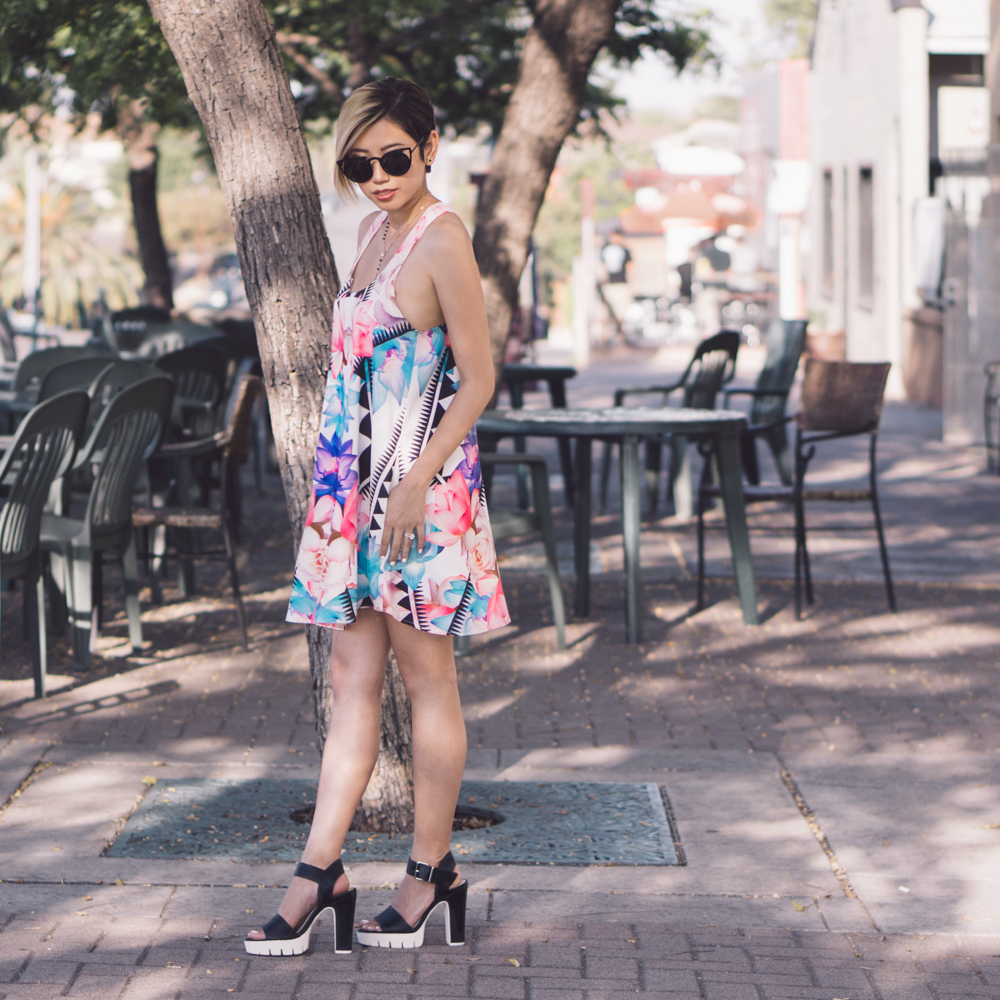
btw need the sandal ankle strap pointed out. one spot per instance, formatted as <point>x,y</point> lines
<point>314,874</point>
<point>443,873</point>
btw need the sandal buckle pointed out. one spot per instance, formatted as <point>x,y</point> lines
<point>422,871</point>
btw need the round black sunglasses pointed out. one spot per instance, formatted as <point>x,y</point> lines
<point>360,170</point>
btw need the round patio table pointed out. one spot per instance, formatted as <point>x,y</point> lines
<point>515,374</point>
<point>629,426</point>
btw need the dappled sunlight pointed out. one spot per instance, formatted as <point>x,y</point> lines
<point>527,662</point>
<point>840,470</point>
<point>40,712</point>
<point>572,758</point>
<point>922,468</point>
<point>646,690</point>
<point>477,710</point>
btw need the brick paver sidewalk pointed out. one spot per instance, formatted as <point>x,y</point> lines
<point>833,784</point>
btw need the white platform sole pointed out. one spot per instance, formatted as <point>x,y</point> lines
<point>382,939</point>
<point>292,946</point>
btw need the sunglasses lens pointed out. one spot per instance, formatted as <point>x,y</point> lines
<point>357,169</point>
<point>396,163</point>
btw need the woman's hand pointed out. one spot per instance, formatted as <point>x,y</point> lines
<point>403,529</point>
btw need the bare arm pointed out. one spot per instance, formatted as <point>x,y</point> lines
<point>445,285</point>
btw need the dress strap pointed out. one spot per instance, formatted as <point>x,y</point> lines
<point>431,213</point>
<point>376,225</point>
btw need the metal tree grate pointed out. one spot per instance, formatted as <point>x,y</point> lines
<point>566,823</point>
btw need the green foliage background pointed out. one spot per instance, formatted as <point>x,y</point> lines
<point>78,58</point>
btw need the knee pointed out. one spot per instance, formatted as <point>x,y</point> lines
<point>353,678</point>
<point>429,680</point>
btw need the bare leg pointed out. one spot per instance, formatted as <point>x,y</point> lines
<point>357,671</point>
<point>427,666</point>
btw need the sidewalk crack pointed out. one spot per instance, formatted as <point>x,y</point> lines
<point>20,972</point>
<point>839,871</point>
<point>72,979</point>
<point>40,766</point>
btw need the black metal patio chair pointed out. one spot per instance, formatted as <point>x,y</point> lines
<point>41,452</point>
<point>785,341</point>
<point>839,399</point>
<point>712,365</point>
<point>127,433</point>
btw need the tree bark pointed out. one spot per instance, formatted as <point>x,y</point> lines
<point>559,50</point>
<point>235,76</point>
<point>387,805</point>
<point>139,136</point>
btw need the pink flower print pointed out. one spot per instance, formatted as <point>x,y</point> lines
<point>496,611</point>
<point>324,561</point>
<point>450,511</point>
<point>349,522</point>
<point>483,560</point>
<point>321,510</point>
<point>445,596</point>
<point>426,355</point>
<point>361,333</point>
<point>387,307</point>
<point>390,377</point>
<point>337,337</point>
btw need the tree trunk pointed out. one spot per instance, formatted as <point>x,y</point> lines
<point>360,55</point>
<point>559,49</point>
<point>387,805</point>
<point>235,76</point>
<point>139,137</point>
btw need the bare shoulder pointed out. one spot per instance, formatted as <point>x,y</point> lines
<point>365,223</point>
<point>446,236</point>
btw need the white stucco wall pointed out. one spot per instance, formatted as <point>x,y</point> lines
<point>868,109</point>
<point>958,26</point>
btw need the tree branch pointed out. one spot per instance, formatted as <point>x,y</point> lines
<point>288,42</point>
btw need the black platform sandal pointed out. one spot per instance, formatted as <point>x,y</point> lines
<point>397,933</point>
<point>281,939</point>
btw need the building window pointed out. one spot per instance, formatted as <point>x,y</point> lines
<point>828,234</point>
<point>866,239</point>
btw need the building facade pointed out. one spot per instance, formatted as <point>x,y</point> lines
<point>884,110</point>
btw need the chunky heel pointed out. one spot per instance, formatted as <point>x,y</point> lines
<point>395,932</point>
<point>282,939</point>
<point>343,921</point>
<point>454,928</point>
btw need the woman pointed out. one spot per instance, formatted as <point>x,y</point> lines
<point>397,551</point>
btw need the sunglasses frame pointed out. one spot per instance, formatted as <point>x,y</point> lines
<point>370,159</point>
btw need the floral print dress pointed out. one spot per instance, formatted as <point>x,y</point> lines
<point>387,390</point>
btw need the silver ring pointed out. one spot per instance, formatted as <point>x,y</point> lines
<point>407,534</point>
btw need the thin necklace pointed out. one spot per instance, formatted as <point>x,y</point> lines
<point>385,233</point>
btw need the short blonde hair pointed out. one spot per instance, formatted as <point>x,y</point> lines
<point>402,102</point>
